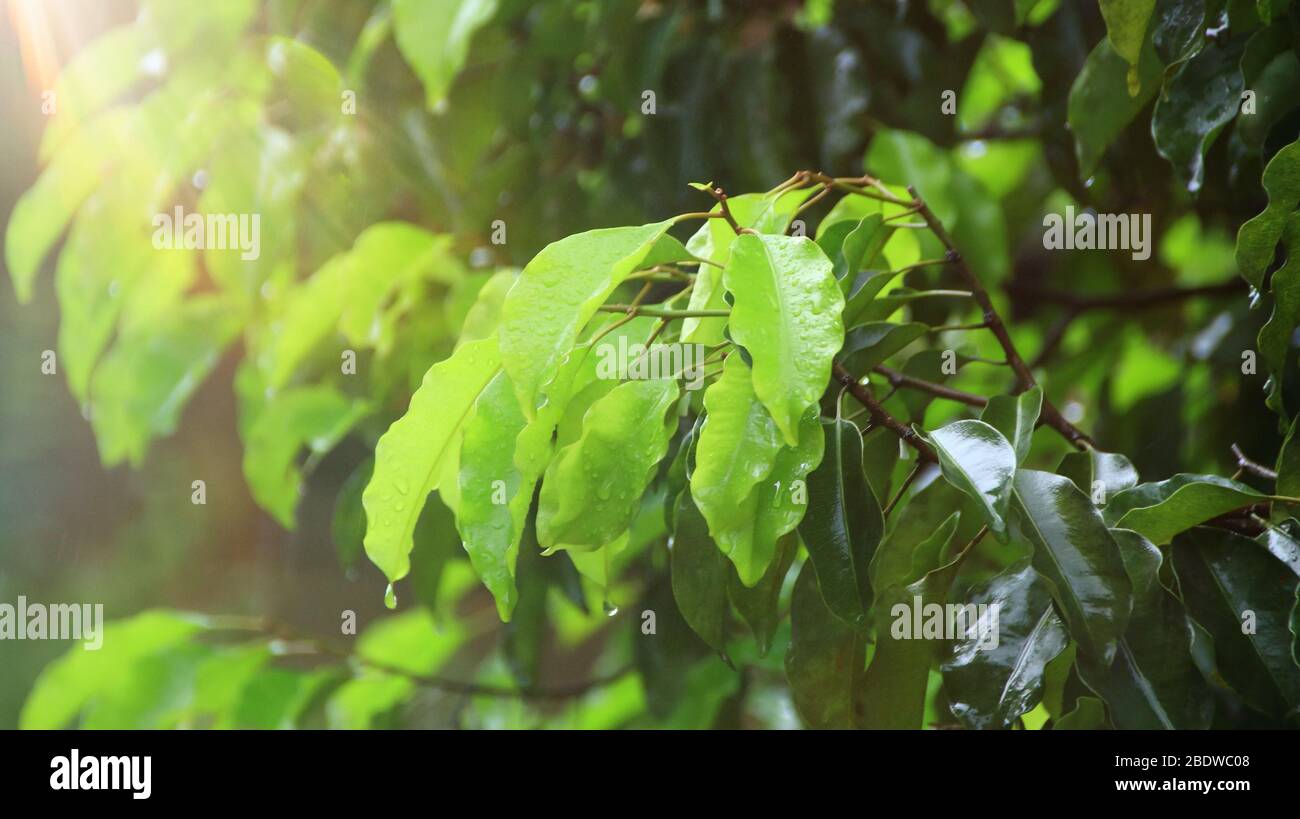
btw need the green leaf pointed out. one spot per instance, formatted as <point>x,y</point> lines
<point>976,459</point>
<point>1281,542</point>
<point>142,384</point>
<point>699,574</point>
<point>737,449</point>
<point>870,344</point>
<point>1158,511</point>
<point>1015,416</point>
<point>1237,591</point>
<point>1288,464</point>
<point>1075,551</point>
<point>1153,684</point>
<point>317,417</point>
<point>357,703</point>
<point>843,526</point>
<point>860,247</point>
<point>712,242</point>
<point>1258,238</point>
<point>1275,335</point>
<point>69,684</point>
<point>1126,27</point>
<point>787,316</point>
<point>1089,714</point>
<point>413,456</point>
<point>894,686</point>
<point>494,498</point>
<point>825,659</point>
<point>995,671</point>
<point>1194,106</point>
<point>1099,108</point>
<point>555,295</point>
<point>594,486</point>
<point>434,37</point>
<point>1100,475</point>
<point>759,605</point>
<point>348,523</point>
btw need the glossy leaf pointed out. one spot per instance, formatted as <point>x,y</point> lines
<point>594,486</point>
<point>976,459</point>
<point>787,316</point>
<point>995,671</point>
<point>494,497</point>
<point>737,449</point>
<point>1158,511</point>
<point>1015,416</point>
<point>1100,106</point>
<point>555,295</point>
<point>759,605</point>
<point>1153,684</point>
<point>843,526</point>
<point>1244,598</point>
<point>1126,27</point>
<point>1077,554</point>
<point>413,456</point>
<point>1257,238</point>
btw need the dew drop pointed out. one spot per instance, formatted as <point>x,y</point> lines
<point>390,597</point>
<point>610,608</point>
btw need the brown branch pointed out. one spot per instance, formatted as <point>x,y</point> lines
<point>1050,415</point>
<point>880,415</point>
<point>1250,466</point>
<point>898,379</point>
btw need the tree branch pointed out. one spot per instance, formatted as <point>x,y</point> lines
<point>1250,466</point>
<point>1050,415</point>
<point>880,415</point>
<point>898,379</point>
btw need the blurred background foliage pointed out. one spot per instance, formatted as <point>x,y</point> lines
<point>553,117</point>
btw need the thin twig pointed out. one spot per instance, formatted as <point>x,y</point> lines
<point>880,415</point>
<point>1250,466</point>
<point>1024,377</point>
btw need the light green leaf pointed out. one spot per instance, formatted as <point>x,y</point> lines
<point>142,384</point>
<point>1126,26</point>
<point>737,449</point>
<point>316,417</point>
<point>976,459</point>
<point>494,498</point>
<point>787,315</point>
<point>413,455</point>
<point>434,37</point>
<point>593,488</point>
<point>712,242</point>
<point>555,295</point>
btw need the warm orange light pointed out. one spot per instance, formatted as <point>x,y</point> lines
<point>31,21</point>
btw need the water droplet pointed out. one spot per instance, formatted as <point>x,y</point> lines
<point>610,608</point>
<point>390,597</point>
